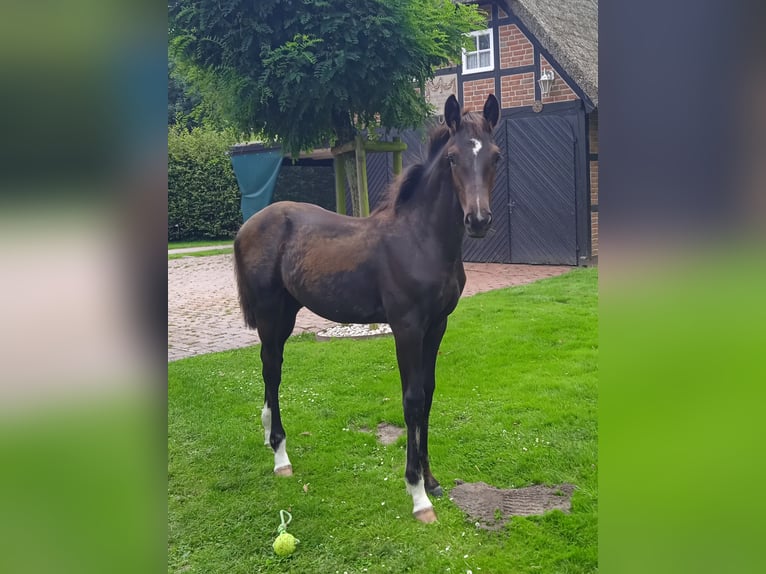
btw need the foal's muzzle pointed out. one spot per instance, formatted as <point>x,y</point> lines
<point>477,225</point>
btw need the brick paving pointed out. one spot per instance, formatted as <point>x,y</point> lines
<point>204,315</point>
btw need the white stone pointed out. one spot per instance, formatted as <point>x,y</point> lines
<point>355,330</point>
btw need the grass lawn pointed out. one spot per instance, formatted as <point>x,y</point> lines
<point>200,243</point>
<point>219,251</point>
<point>515,405</point>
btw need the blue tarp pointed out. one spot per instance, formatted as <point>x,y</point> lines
<point>256,173</point>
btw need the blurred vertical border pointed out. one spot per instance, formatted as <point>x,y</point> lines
<point>83,215</point>
<point>82,299</point>
<point>683,286</point>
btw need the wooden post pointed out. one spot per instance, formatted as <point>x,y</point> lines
<point>340,185</point>
<point>356,174</point>
<point>397,158</point>
<point>361,175</point>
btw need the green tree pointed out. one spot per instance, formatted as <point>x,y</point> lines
<point>306,73</point>
<point>183,100</point>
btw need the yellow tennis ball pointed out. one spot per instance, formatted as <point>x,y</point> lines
<point>285,543</point>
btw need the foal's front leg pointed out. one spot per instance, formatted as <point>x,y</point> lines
<point>431,344</point>
<point>409,354</point>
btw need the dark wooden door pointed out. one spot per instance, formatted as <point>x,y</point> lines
<point>533,200</point>
<point>541,184</point>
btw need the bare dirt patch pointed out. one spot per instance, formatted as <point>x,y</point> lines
<point>492,507</point>
<point>388,434</point>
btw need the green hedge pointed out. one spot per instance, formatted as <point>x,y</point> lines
<point>203,196</point>
<point>309,184</point>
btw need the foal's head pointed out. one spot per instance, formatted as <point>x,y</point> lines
<point>472,156</point>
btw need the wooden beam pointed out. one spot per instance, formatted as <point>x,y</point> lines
<point>340,185</point>
<point>370,146</point>
<point>341,149</point>
<point>361,176</point>
<point>385,146</point>
<point>398,157</point>
<point>359,147</point>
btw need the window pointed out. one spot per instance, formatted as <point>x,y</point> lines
<point>481,58</point>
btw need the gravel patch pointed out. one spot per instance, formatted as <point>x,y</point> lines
<point>354,331</point>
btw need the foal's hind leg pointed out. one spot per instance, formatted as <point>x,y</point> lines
<point>275,324</point>
<point>431,344</point>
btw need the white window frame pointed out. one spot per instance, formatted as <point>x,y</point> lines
<point>491,50</point>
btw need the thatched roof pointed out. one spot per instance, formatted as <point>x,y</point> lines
<point>568,29</point>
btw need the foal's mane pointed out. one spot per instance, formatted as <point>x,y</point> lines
<point>404,187</point>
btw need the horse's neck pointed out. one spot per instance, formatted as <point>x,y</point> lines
<point>444,219</point>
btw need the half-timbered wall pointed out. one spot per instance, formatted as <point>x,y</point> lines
<point>526,116</point>
<point>519,60</point>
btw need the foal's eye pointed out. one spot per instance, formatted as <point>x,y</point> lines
<point>451,159</point>
<point>497,158</point>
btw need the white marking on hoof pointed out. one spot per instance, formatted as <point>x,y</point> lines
<point>266,420</point>
<point>284,471</point>
<point>420,499</point>
<point>427,515</point>
<point>476,146</point>
<point>280,457</point>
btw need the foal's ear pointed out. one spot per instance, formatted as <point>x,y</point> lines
<point>491,110</point>
<point>452,113</point>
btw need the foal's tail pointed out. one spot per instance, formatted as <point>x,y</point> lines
<point>246,295</point>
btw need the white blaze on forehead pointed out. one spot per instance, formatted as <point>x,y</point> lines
<point>476,146</point>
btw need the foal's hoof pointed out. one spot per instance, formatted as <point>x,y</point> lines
<point>284,470</point>
<point>427,515</point>
<point>436,491</point>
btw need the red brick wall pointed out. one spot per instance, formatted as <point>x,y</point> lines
<point>594,182</point>
<point>475,93</point>
<point>517,90</point>
<point>594,234</point>
<point>593,164</point>
<point>515,48</point>
<point>560,92</point>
